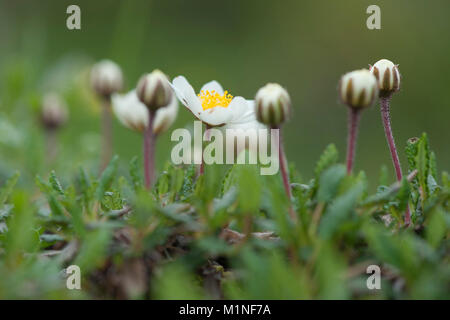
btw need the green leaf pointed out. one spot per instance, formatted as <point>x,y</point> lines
<point>6,211</point>
<point>340,211</point>
<point>189,179</point>
<point>411,152</point>
<point>403,194</point>
<point>107,178</point>
<point>55,184</point>
<point>436,228</point>
<point>329,182</point>
<point>50,238</point>
<point>229,179</point>
<point>249,188</point>
<point>328,158</point>
<point>93,250</point>
<point>85,187</point>
<point>226,201</point>
<point>136,177</point>
<point>8,187</point>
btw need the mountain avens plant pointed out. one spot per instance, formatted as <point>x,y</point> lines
<point>154,91</point>
<point>358,90</point>
<point>273,108</point>
<point>106,79</point>
<point>388,80</point>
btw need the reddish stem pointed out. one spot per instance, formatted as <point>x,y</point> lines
<point>385,114</point>
<point>149,151</point>
<point>106,133</point>
<point>353,122</point>
<point>284,174</point>
<point>283,167</point>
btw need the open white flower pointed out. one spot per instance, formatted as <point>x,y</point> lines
<point>133,114</point>
<point>216,107</point>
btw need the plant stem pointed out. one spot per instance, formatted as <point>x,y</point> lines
<point>283,168</point>
<point>106,133</point>
<point>51,142</point>
<point>285,174</point>
<point>149,151</point>
<point>353,122</point>
<point>385,114</point>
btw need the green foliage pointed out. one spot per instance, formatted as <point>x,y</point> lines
<point>229,233</point>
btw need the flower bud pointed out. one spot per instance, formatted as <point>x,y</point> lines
<point>106,78</point>
<point>54,111</point>
<point>358,89</point>
<point>132,113</point>
<point>273,104</point>
<point>154,90</point>
<point>387,75</point>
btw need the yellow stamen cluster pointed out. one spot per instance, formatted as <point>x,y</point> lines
<point>214,99</point>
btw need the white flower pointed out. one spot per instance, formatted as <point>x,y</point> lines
<point>106,77</point>
<point>387,75</point>
<point>358,89</point>
<point>132,113</point>
<point>216,107</point>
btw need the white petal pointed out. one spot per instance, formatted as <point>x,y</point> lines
<point>216,116</point>
<point>186,94</point>
<point>243,110</point>
<point>130,111</point>
<point>165,117</point>
<point>252,124</point>
<point>213,86</point>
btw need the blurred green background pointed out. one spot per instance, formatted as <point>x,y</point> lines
<point>304,45</point>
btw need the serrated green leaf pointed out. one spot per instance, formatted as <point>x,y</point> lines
<point>328,158</point>
<point>55,184</point>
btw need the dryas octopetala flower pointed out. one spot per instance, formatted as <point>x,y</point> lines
<point>133,114</point>
<point>154,90</point>
<point>216,107</point>
<point>273,104</point>
<point>54,111</point>
<point>387,75</point>
<point>106,78</point>
<point>358,89</point>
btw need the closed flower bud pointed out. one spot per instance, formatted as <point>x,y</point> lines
<point>106,78</point>
<point>387,75</point>
<point>154,90</point>
<point>358,89</point>
<point>54,111</point>
<point>134,114</point>
<point>273,104</point>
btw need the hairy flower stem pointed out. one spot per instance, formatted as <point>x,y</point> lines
<point>385,114</point>
<point>149,151</point>
<point>51,142</point>
<point>353,122</point>
<point>106,133</point>
<point>285,174</point>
